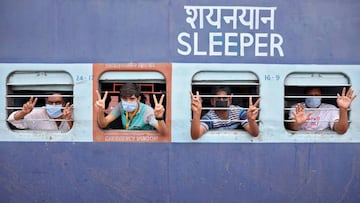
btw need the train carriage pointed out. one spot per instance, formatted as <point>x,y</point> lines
<point>267,50</point>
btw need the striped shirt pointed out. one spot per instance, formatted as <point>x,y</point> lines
<point>235,113</point>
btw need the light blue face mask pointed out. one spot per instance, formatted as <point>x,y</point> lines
<point>54,111</point>
<point>129,106</point>
<point>313,102</point>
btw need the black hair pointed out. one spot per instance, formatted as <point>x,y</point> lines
<point>130,89</point>
<point>309,88</point>
<point>217,89</point>
<point>54,93</point>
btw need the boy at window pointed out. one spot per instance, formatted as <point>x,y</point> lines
<point>325,116</point>
<point>134,114</point>
<point>222,119</point>
<point>53,117</point>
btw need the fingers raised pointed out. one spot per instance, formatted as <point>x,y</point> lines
<point>349,92</point>
<point>197,96</point>
<point>155,100</point>
<point>257,102</point>
<point>352,98</point>
<point>68,106</point>
<point>105,96</point>
<point>32,101</point>
<point>160,101</point>
<point>191,94</point>
<point>99,96</point>
<point>343,92</point>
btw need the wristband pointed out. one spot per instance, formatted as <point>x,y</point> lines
<point>159,119</point>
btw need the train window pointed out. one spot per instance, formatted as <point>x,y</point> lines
<point>299,87</point>
<point>242,85</point>
<point>152,81</point>
<point>51,91</point>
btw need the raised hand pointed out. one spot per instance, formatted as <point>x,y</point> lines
<point>29,105</point>
<point>253,111</point>
<point>159,108</point>
<point>299,115</point>
<point>67,112</point>
<point>196,105</point>
<point>100,102</point>
<point>344,101</point>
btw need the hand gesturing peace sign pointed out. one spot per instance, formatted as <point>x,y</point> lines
<point>253,111</point>
<point>100,102</point>
<point>196,105</point>
<point>159,108</point>
<point>67,112</point>
<point>29,105</point>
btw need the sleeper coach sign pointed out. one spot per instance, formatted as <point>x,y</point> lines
<point>230,31</point>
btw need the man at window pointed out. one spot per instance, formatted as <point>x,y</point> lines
<point>54,116</point>
<point>134,114</point>
<point>227,117</point>
<point>324,116</point>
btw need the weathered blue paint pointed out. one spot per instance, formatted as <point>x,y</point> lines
<point>94,31</point>
<point>119,172</point>
<point>316,32</point>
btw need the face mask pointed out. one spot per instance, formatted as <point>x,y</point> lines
<point>54,111</point>
<point>219,103</point>
<point>129,106</point>
<point>313,102</point>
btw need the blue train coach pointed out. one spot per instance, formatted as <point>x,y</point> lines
<point>267,50</point>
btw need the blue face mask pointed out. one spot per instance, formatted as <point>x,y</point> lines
<point>313,102</point>
<point>129,106</point>
<point>54,111</point>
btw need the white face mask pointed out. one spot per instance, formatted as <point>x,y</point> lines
<point>313,102</point>
<point>54,111</point>
<point>129,106</point>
